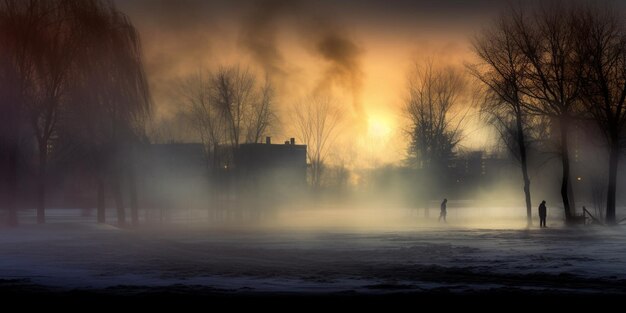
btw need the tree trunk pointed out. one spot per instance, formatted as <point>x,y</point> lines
<point>521,141</point>
<point>565,162</point>
<point>134,206</point>
<point>101,201</point>
<point>610,200</point>
<point>571,196</point>
<point>119,201</point>
<point>41,184</point>
<point>11,181</point>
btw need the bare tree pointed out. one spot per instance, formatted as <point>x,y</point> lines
<point>435,120</point>
<point>552,85</point>
<point>261,115</point>
<point>233,89</point>
<point>502,72</point>
<point>601,49</point>
<point>206,117</point>
<point>227,107</point>
<point>317,121</point>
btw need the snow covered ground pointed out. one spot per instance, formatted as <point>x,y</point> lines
<point>414,257</point>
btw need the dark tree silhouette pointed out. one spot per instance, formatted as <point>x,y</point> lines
<point>54,48</point>
<point>552,85</point>
<point>227,107</point>
<point>119,101</point>
<point>15,80</point>
<point>40,42</point>
<point>435,119</point>
<point>601,49</point>
<point>233,89</point>
<point>502,71</point>
<point>206,118</point>
<point>261,115</point>
<point>246,109</point>
<point>71,64</point>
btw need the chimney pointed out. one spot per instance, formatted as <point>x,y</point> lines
<point>292,140</point>
<point>268,140</point>
<point>287,142</point>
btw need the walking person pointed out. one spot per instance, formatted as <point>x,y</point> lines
<point>444,210</point>
<point>542,214</point>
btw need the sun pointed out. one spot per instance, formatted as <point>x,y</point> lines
<point>378,128</point>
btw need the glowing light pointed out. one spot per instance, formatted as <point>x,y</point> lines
<point>378,128</point>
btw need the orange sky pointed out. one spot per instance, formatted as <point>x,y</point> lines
<point>182,36</point>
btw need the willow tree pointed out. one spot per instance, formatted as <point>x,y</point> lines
<point>17,23</point>
<point>55,47</point>
<point>110,101</point>
<point>60,57</point>
<point>41,40</point>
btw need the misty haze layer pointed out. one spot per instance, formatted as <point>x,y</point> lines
<point>457,260</point>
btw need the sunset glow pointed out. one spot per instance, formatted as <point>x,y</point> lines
<point>379,128</point>
<point>386,48</point>
<point>311,154</point>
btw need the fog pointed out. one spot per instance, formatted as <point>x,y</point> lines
<point>253,149</point>
<point>203,96</point>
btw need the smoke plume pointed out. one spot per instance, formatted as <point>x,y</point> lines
<point>319,34</point>
<point>259,35</point>
<point>343,67</point>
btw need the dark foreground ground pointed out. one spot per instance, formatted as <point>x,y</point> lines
<point>438,265</point>
<point>199,298</point>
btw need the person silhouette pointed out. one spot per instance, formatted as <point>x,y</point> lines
<point>444,211</point>
<point>542,214</point>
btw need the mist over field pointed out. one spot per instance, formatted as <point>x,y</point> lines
<point>277,151</point>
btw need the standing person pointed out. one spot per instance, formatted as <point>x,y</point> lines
<point>542,214</point>
<point>443,212</point>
